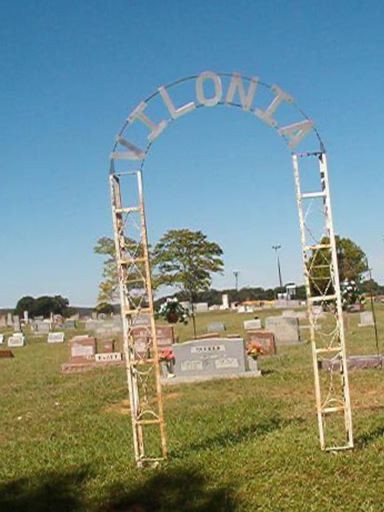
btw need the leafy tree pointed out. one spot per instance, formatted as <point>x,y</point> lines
<point>351,261</point>
<point>109,286</point>
<point>105,308</point>
<point>43,306</point>
<point>187,260</point>
<point>25,304</point>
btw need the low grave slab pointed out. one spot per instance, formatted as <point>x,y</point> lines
<point>251,325</point>
<point>16,340</point>
<point>55,337</point>
<point>353,363</point>
<point>6,354</point>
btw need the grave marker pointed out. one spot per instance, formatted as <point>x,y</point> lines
<point>211,357</point>
<point>252,324</point>
<point>285,329</point>
<point>366,319</point>
<point>16,340</point>
<point>216,327</point>
<point>55,337</point>
<point>265,339</point>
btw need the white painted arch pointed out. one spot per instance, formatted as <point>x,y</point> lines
<point>228,89</point>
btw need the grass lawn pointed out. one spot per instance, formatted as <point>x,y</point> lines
<point>235,445</point>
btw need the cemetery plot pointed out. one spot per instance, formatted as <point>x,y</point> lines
<point>55,337</point>
<point>84,355</point>
<point>211,358</point>
<point>285,329</point>
<point>265,339</point>
<point>16,340</point>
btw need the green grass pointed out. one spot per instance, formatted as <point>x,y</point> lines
<point>235,445</point>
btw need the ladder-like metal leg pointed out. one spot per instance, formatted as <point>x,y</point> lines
<point>324,306</point>
<point>142,360</point>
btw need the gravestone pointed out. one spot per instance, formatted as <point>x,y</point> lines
<point>106,346</point>
<point>252,324</point>
<point>165,336</point>
<point>43,327</point>
<point>6,354</point>
<point>55,337</point>
<point>366,319</point>
<point>216,327</point>
<point>265,339</point>
<point>9,320</point>
<point>200,307</point>
<point>82,349</point>
<point>225,301</point>
<point>16,340</point>
<point>16,323</point>
<point>285,329</point>
<point>108,357</point>
<point>3,321</point>
<point>215,356</point>
<point>141,335</point>
<point>1,339</point>
<point>25,316</point>
<point>69,324</point>
<point>289,313</point>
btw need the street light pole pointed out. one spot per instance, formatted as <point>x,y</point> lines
<point>276,248</point>
<point>236,274</point>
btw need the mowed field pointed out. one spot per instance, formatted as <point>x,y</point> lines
<point>235,445</point>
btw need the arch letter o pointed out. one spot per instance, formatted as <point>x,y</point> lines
<point>208,75</point>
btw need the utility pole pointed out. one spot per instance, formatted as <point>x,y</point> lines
<point>276,248</point>
<point>236,274</point>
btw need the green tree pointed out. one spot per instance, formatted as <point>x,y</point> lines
<point>352,262</point>
<point>108,288</point>
<point>43,306</point>
<point>25,304</point>
<point>187,260</point>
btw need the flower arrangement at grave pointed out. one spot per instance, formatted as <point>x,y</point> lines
<point>350,294</point>
<point>173,311</point>
<point>166,355</point>
<point>167,360</point>
<point>254,350</point>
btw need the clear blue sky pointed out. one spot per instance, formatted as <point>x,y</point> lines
<point>72,71</point>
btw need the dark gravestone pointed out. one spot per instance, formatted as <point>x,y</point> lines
<point>265,339</point>
<point>6,354</point>
<point>106,346</point>
<point>82,349</point>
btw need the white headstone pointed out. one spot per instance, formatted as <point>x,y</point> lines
<point>252,324</point>
<point>55,337</point>
<point>225,300</point>
<point>366,319</point>
<point>285,329</point>
<point>1,339</point>
<point>16,340</point>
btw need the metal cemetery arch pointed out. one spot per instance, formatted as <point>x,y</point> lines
<point>317,238</point>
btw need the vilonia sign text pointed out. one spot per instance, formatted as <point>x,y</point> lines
<point>210,90</point>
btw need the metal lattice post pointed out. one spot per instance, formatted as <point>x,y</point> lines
<point>323,294</point>
<point>136,299</point>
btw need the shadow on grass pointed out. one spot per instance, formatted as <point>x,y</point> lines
<point>177,491</point>
<point>48,492</point>
<point>230,438</point>
<point>368,437</point>
<point>173,490</point>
